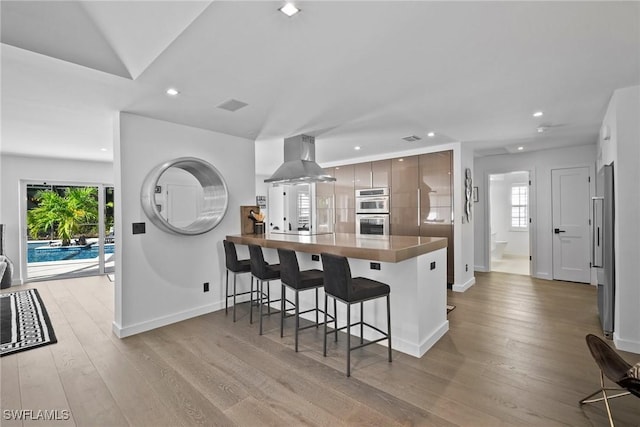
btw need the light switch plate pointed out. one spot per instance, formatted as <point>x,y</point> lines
<point>138,228</point>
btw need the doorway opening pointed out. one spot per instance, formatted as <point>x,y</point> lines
<point>509,205</point>
<point>69,230</point>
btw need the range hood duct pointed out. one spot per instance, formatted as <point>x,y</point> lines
<point>299,163</point>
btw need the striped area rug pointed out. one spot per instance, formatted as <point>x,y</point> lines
<point>24,322</point>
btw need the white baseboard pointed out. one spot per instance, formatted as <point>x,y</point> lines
<point>626,345</point>
<point>463,287</point>
<point>126,331</point>
<point>480,268</point>
<point>418,350</point>
<point>433,338</point>
<point>543,276</point>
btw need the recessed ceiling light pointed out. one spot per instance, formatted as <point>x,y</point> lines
<point>431,134</point>
<point>357,147</point>
<point>172,92</point>
<point>541,129</point>
<point>537,114</point>
<point>520,148</point>
<point>103,149</point>
<point>289,9</point>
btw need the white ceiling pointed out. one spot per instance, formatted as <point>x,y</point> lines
<point>350,73</point>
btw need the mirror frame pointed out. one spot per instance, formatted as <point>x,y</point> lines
<point>214,187</point>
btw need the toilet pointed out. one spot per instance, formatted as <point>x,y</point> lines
<point>497,247</point>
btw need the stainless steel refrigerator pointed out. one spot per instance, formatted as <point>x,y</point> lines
<point>603,252</point>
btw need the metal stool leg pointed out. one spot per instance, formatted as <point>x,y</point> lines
<point>251,301</point>
<point>297,318</point>
<point>335,318</point>
<point>282,308</point>
<point>316,307</point>
<point>268,298</point>
<point>234,296</point>
<point>324,343</point>
<point>389,324</point>
<point>361,322</point>
<point>261,289</point>
<point>348,339</point>
<point>226,295</point>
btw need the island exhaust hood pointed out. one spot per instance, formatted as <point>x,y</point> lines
<point>299,163</point>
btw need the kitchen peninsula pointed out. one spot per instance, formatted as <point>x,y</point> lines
<point>414,267</point>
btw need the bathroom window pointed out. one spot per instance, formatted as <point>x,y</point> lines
<point>519,207</point>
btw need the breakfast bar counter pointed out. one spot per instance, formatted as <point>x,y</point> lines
<point>414,267</point>
<point>382,248</point>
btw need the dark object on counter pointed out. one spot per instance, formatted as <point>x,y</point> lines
<point>235,266</point>
<point>297,280</point>
<point>258,228</point>
<point>246,221</point>
<point>258,223</point>
<point>339,284</point>
<point>613,367</point>
<point>263,272</point>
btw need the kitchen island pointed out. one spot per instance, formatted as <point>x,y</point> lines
<point>414,267</point>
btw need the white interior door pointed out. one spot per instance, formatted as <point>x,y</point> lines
<point>571,195</point>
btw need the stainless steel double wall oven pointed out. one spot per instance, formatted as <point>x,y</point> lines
<point>372,212</point>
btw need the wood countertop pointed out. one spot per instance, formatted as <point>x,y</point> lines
<point>384,249</point>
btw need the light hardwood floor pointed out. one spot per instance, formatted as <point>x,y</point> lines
<point>515,355</point>
<point>512,264</point>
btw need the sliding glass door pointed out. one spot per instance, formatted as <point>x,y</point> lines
<point>109,231</point>
<point>69,230</point>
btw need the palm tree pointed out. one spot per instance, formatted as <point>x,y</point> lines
<point>83,203</point>
<point>45,217</point>
<point>63,215</point>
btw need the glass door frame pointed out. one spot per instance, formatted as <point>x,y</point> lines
<point>24,234</point>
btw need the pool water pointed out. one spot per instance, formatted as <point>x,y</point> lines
<point>42,252</point>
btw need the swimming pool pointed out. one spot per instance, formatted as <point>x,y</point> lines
<point>42,252</point>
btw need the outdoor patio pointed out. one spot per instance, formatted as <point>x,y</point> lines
<point>55,269</point>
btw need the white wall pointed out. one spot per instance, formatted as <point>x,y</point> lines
<point>262,188</point>
<point>16,168</point>
<point>463,232</point>
<point>500,212</point>
<point>539,164</point>
<point>624,150</point>
<point>160,276</point>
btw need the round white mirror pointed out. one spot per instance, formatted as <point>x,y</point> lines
<point>185,196</point>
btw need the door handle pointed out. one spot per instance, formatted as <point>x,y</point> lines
<point>419,219</point>
<point>558,231</point>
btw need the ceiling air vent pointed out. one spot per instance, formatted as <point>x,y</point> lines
<point>232,105</point>
<point>412,138</point>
